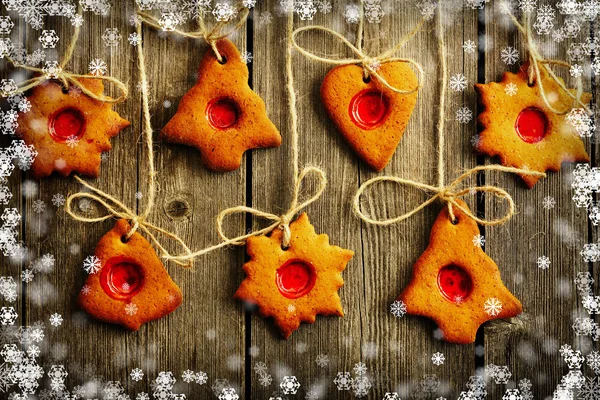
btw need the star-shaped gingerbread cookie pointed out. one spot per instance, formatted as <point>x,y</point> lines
<point>455,283</point>
<point>68,130</point>
<point>221,116</point>
<point>522,131</point>
<point>132,286</point>
<point>296,284</point>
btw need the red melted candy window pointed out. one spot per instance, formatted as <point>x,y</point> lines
<point>454,283</point>
<point>531,125</point>
<point>222,113</point>
<point>369,109</point>
<point>295,278</point>
<point>66,123</point>
<point>121,278</point>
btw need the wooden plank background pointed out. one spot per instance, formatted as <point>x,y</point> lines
<point>213,333</point>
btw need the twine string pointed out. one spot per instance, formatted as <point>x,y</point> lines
<point>116,208</point>
<point>68,78</point>
<point>368,63</point>
<point>451,192</point>
<point>534,71</point>
<point>210,36</point>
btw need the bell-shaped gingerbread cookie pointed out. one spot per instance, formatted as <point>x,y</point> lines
<point>221,116</point>
<point>68,130</point>
<point>455,283</point>
<point>371,117</point>
<point>296,284</point>
<point>522,131</point>
<point>132,286</point>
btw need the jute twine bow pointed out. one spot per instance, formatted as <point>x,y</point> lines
<point>536,59</point>
<point>211,36</point>
<point>451,192</point>
<point>69,78</point>
<point>116,208</point>
<point>369,64</point>
<point>279,221</point>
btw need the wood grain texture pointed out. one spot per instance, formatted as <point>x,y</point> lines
<point>211,332</point>
<point>529,344</point>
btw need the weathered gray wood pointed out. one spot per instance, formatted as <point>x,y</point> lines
<point>529,345</point>
<point>207,332</point>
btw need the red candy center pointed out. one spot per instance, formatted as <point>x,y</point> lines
<point>369,109</point>
<point>295,279</point>
<point>222,113</point>
<point>66,123</point>
<point>454,283</point>
<point>531,125</point>
<point>121,279</point>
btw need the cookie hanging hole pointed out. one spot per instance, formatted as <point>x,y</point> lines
<point>367,79</point>
<point>124,239</point>
<point>223,60</point>
<point>454,221</point>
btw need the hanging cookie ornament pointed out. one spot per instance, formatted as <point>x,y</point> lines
<point>530,128</point>
<point>369,99</point>
<point>453,280</point>
<point>128,285</point>
<point>220,115</point>
<point>132,286</point>
<point>70,121</point>
<point>294,273</point>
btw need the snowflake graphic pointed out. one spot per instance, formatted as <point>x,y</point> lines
<point>56,319</point>
<point>509,55</point>
<point>224,12</point>
<point>136,374</point>
<point>77,20</point>
<point>92,264</point>
<point>361,386</point>
<point>478,240</point>
<point>188,376</point>
<point>360,368</point>
<point>398,308</point>
<point>543,262</point>
<point>548,202</point>
<point>169,21</point>
<point>97,67</point>
<point>228,394</point>
<point>246,57</point>
<point>111,37</point>
<point>72,141</point>
<point>131,309</point>
<point>52,70</point>
<point>8,316</point>
<point>48,39</point>
<point>27,275</point>
<point>464,115</point>
<point>306,10</point>
<point>352,14</point>
<point>458,82</point>
<point>265,380</point>
<point>492,306</point>
<point>134,39</point>
<point>576,70</point>
<point>438,358</point>
<point>5,195</point>
<point>200,378</point>
<point>260,368</point>
<point>39,206</point>
<point>343,381</point>
<point>58,200</point>
<point>6,25</point>
<point>325,6</point>
<point>289,385</point>
<point>543,26</point>
<point>527,6</point>
<point>374,12</point>
<point>469,46</point>
<point>322,360</point>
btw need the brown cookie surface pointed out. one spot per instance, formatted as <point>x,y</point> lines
<point>370,117</point>
<point>297,284</point>
<point>68,130</point>
<point>221,116</point>
<point>453,282</point>
<point>132,287</point>
<point>522,131</point>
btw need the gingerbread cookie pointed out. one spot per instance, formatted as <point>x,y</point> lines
<point>221,116</point>
<point>455,283</point>
<point>296,284</point>
<point>68,130</point>
<point>132,287</point>
<point>522,131</point>
<point>370,117</point>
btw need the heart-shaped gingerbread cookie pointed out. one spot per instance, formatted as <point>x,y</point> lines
<point>370,116</point>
